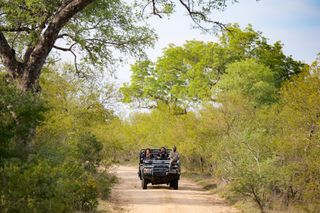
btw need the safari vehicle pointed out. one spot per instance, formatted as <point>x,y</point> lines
<point>156,171</point>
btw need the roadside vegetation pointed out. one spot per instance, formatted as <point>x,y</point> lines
<point>240,111</point>
<point>53,146</point>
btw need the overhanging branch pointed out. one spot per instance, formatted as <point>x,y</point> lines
<point>154,9</point>
<point>193,14</point>
<point>69,49</point>
<point>43,47</point>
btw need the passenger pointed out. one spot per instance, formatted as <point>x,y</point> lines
<point>147,154</point>
<point>162,154</point>
<point>174,156</point>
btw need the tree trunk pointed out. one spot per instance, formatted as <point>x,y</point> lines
<point>28,71</point>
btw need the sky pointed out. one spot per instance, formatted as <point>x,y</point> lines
<point>296,23</point>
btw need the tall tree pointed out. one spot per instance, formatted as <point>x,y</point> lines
<point>30,29</point>
<point>187,74</point>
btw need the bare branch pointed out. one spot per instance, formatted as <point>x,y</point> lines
<point>202,16</point>
<point>190,11</point>
<point>75,60</point>
<point>61,48</point>
<point>65,48</point>
<point>75,63</point>
<point>64,35</point>
<point>154,9</point>
<point>145,6</point>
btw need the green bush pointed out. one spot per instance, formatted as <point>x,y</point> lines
<point>89,150</point>
<point>48,155</point>
<point>20,113</point>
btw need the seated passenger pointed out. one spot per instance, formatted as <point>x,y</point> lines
<point>147,154</point>
<point>162,154</point>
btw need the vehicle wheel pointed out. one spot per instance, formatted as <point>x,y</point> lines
<point>144,183</point>
<point>171,185</point>
<point>175,184</point>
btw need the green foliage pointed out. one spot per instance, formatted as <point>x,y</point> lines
<point>57,169</point>
<point>251,79</point>
<point>104,183</point>
<point>19,113</point>
<point>44,187</point>
<point>188,74</point>
<point>261,140</point>
<point>298,136</point>
<point>93,29</point>
<point>89,150</point>
<point>94,33</point>
<point>241,44</point>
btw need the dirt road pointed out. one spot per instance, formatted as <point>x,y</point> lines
<point>127,196</point>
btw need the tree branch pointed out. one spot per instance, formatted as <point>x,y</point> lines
<point>154,9</point>
<point>45,44</point>
<point>64,35</point>
<point>75,61</point>
<point>65,48</point>
<point>145,6</point>
<point>203,17</point>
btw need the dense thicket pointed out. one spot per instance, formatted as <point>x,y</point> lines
<point>260,135</point>
<point>51,146</point>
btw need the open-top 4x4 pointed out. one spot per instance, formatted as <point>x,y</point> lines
<point>157,171</point>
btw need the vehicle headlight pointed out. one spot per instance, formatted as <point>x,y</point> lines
<point>147,170</point>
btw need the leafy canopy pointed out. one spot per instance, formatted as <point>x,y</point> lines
<point>94,32</point>
<point>188,74</point>
<point>251,79</point>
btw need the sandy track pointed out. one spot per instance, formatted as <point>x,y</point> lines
<point>127,196</point>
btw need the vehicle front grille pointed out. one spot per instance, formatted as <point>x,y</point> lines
<point>160,170</point>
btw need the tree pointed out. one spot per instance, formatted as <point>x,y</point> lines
<point>30,29</point>
<point>56,169</point>
<point>185,75</point>
<point>241,44</point>
<point>297,138</point>
<point>251,79</point>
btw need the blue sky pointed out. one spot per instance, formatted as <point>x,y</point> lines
<point>296,23</point>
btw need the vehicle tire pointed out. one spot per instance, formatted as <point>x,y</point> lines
<point>139,174</point>
<point>175,184</point>
<point>144,183</point>
<point>170,184</point>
